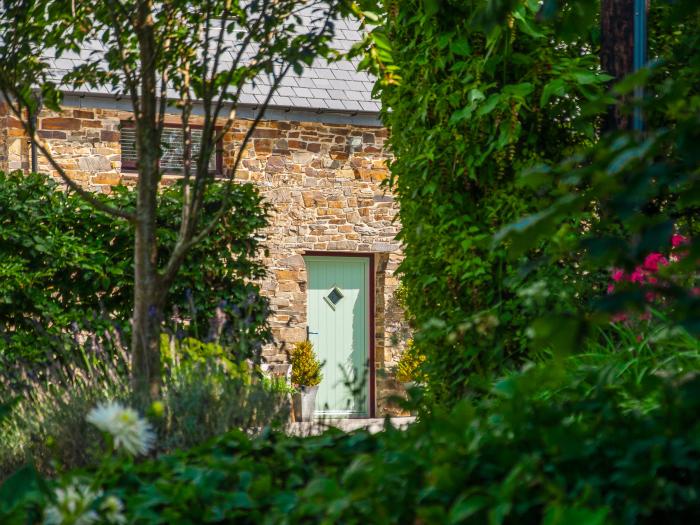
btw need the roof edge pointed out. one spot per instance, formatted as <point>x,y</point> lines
<point>86,100</point>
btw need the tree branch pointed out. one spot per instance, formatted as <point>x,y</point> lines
<point>189,239</point>
<point>129,75</point>
<point>183,245</point>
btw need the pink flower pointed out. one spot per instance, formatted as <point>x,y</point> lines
<point>653,260</point>
<point>644,275</point>
<point>637,276</point>
<point>677,240</point>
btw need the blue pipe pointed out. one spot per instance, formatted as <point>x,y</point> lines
<point>640,56</point>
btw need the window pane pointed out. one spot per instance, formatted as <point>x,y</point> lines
<point>128,144</point>
<point>196,142</point>
<point>171,142</point>
<point>172,159</point>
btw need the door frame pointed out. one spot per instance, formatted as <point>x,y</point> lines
<point>370,313</point>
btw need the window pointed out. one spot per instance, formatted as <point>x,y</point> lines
<point>172,160</point>
<point>335,296</point>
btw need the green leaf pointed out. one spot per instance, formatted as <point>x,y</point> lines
<point>460,115</point>
<point>519,90</point>
<point>488,106</point>
<point>460,47</point>
<point>525,26</point>
<point>559,515</point>
<point>588,77</point>
<point>466,508</point>
<point>556,87</point>
<point>22,484</point>
<point>241,500</point>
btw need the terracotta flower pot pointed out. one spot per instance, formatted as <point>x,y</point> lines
<point>304,403</point>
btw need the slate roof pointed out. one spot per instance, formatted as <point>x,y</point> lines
<point>337,87</point>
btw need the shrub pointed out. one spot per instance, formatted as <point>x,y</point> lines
<point>204,394</point>
<point>580,454</point>
<point>306,368</point>
<point>648,202</point>
<point>409,366</point>
<point>47,426</point>
<point>66,268</point>
<point>476,103</point>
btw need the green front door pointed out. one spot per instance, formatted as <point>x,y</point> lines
<point>338,324</point>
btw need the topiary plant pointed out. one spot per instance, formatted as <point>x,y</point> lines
<point>408,367</point>
<point>306,368</point>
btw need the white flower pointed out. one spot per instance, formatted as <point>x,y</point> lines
<point>72,506</point>
<point>125,426</point>
<point>113,510</point>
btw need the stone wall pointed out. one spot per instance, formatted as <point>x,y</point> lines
<point>14,146</point>
<point>3,137</point>
<point>324,182</point>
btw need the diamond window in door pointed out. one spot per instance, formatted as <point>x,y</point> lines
<point>335,296</point>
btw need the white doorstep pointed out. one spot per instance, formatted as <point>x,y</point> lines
<point>376,424</point>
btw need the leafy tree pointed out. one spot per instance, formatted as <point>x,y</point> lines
<point>472,99</point>
<point>163,56</point>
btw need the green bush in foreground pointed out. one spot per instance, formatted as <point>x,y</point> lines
<point>582,454</point>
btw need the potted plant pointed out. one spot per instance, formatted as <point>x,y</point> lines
<point>407,370</point>
<point>306,376</point>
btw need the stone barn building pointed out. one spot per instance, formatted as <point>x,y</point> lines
<point>319,158</point>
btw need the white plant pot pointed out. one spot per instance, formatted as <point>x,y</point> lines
<point>305,403</point>
<point>408,385</point>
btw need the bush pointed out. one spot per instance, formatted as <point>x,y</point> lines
<point>204,394</point>
<point>409,366</point>
<point>306,369</point>
<point>66,268</point>
<point>552,444</point>
<point>476,103</point>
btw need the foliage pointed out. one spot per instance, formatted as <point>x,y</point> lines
<point>632,353</point>
<point>205,393</point>
<point>66,267</point>
<point>557,444</point>
<point>306,368</point>
<point>409,366</point>
<point>644,186</point>
<point>470,103</point>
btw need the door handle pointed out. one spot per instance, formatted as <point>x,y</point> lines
<point>309,332</point>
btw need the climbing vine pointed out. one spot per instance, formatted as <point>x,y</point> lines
<point>470,104</point>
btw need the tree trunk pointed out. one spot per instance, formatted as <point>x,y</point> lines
<point>617,51</point>
<point>147,318</point>
<point>149,294</point>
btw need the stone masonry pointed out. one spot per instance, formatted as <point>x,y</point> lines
<point>324,182</point>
